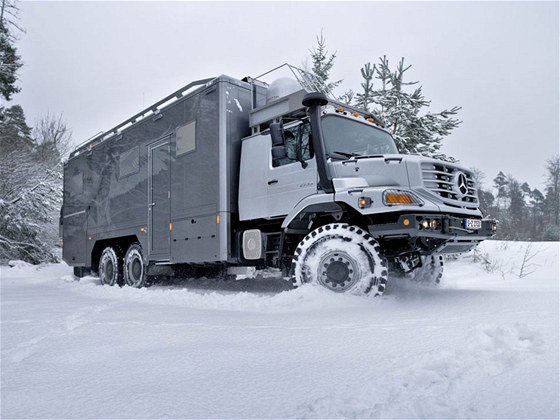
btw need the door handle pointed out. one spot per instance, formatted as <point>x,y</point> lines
<point>151,205</point>
<point>273,181</point>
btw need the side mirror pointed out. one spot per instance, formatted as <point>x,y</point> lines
<point>279,153</point>
<point>277,134</point>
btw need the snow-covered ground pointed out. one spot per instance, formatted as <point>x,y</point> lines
<point>484,344</point>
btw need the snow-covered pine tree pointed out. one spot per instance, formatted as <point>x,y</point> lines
<point>10,61</point>
<point>517,206</point>
<point>552,199</point>
<point>414,130</point>
<point>537,211</point>
<point>365,98</point>
<point>347,97</point>
<point>322,63</point>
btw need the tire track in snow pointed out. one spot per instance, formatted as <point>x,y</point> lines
<point>430,384</point>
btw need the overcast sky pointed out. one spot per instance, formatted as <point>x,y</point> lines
<point>98,63</point>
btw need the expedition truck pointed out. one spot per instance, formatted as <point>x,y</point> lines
<point>225,174</point>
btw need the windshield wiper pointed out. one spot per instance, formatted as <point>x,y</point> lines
<point>342,155</point>
<point>369,156</point>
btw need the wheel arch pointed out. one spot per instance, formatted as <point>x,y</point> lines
<point>120,244</point>
<point>321,209</point>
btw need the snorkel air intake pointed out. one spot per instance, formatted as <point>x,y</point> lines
<point>314,101</point>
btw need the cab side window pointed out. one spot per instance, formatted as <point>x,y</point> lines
<point>298,144</point>
<point>305,143</point>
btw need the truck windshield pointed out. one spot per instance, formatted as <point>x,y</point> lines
<point>345,138</point>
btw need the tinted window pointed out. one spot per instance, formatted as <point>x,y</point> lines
<point>298,144</point>
<point>186,139</point>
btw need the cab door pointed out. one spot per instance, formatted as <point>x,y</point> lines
<point>295,177</point>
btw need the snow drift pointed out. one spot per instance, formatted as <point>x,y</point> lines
<point>483,344</point>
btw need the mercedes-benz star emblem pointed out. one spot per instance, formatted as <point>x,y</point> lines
<point>462,184</point>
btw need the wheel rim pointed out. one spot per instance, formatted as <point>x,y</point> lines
<point>109,271</point>
<point>134,272</point>
<point>136,269</point>
<point>338,271</point>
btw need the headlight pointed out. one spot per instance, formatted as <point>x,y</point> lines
<point>400,198</point>
<point>431,224</point>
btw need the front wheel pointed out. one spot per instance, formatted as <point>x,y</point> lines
<point>429,272</point>
<point>135,271</point>
<point>341,258</point>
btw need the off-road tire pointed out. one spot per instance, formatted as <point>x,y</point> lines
<point>341,258</point>
<point>431,271</point>
<point>110,267</point>
<point>135,271</point>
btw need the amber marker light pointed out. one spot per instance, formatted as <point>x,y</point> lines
<point>143,229</point>
<point>406,222</point>
<point>170,227</point>
<point>355,114</point>
<point>217,219</point>
<point>364,202</point>
<point>397,197</point>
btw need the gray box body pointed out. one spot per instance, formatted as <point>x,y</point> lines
<point>169,179</point>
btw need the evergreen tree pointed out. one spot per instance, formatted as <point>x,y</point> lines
<point>14,131</point>
<point>10,61</point>
<point>414,130</point>
<point>500,184</point>
<point>403,111</point>
<point>517,204</point>
<point>347,97</point>
<point>9,15</point>
<point>365,98</point>
<point>524,213</point>
<point>537,211</point>
<point>552,200</point>
<point>553,189</point>
<point>322,63</point>
<point>486,201</point>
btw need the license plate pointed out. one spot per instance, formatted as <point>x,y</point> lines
<point>473,224</point>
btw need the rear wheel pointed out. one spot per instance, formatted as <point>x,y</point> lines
<point>110,267</point>
<point>135,271</point>
<point>341,258</point>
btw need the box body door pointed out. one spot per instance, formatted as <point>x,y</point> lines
<point>159,227</point>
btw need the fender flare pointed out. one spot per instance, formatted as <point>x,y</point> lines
<point>315,202</point>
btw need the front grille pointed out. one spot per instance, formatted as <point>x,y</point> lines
<point>454,186</point>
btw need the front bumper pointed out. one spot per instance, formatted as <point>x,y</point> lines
<point>450,233</point>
